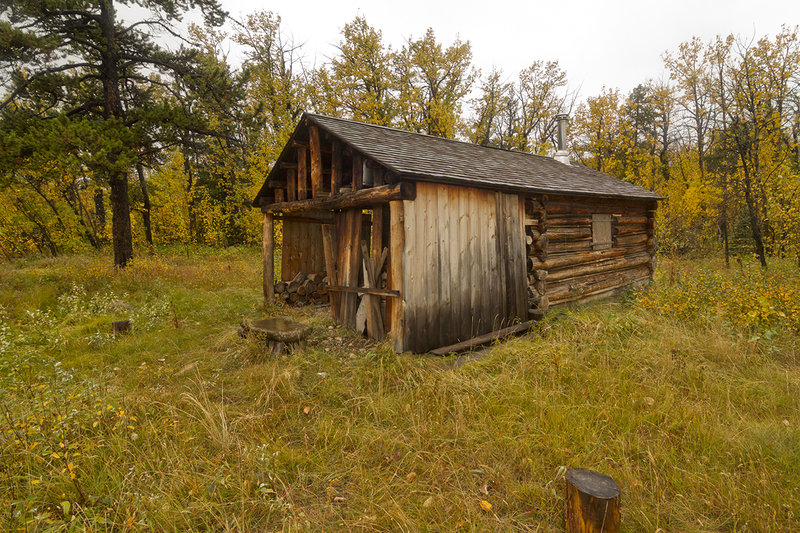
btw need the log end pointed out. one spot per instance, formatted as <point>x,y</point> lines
<point>593,483</point>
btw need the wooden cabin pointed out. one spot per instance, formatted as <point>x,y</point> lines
<point>439,241</point>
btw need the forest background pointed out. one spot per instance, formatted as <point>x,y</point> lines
<point>111,133</point>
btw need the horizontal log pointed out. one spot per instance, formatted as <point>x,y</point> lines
<point>570,246</point>
<point>607,265</point>
<point>585,284</point>
<point>635,238</point>
<point>484,339</point>
<point>555,222</point>
<point>627,229</point>
<point>366,290</point>
<point>603,293</point>
<point>557,208</point>
<point>631,220</point>
<point>361,198</point>
<point>570,232</point>
<point>565,260</point>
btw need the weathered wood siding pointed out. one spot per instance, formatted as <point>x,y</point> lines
<point>463,264</point>
<point>302,249</point>
<point>576,271</point>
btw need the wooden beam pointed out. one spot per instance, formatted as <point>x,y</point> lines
<point>316,161</point>
<point>484,339</point>
<point>377,232</point>
<point>366,290</point>
<point>375,329</point>
<point>394,277</point>
<point>336,166</point>
<point>302,173</point>
<point>268,249</point>
<point>358,171</point>
<point>363,198</point>
<point>291,184</point>
<point>329,248</point>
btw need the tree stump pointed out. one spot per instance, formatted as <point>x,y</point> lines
<point>120,327</point>
<point>279,334</point>
<point>591,502</point>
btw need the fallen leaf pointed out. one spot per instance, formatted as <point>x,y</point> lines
<point>486,506</point>
<point>338,499</point>
<point>307,409</point>
<point>649,401</point>
<point>428,502</point>
<point>411,476</point>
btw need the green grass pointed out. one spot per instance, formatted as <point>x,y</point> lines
<point>183,426</point>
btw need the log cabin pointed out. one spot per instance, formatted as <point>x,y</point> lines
<point>435,241</point>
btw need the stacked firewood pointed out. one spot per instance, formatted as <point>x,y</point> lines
<point>304,289</point>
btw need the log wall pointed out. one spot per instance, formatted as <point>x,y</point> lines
<point>562,265</point>
<point>463,268</point>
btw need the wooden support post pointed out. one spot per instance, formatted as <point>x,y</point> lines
<point>291,184</point>
<point>377,231</point>
<point>302,173</point>
<point>316,161</point>
<point>268,245</point>
<point>591,502</point>
<point>372,269</point>
<point>394,281</point>
<point>358,171</point>
<point>329,248</point>
<point>336,167</point>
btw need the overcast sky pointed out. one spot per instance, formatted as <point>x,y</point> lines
<point>612,43</point>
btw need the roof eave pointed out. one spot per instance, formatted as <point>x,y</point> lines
<point>511,188</point>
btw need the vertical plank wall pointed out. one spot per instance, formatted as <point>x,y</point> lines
<point>464,270</point>
<point>302,249</point>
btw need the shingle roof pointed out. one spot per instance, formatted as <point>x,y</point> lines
<point>436,159</point>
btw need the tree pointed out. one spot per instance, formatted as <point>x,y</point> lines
<point>490,111</point>
<point>596,131</point>
<point>71,59</point>
<point>362,75</point>
<point>433,83</point>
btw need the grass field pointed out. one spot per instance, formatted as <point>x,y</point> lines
<point>687,394</point>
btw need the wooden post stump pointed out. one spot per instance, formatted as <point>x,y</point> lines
<point>120,326</point>
<point>591,502</point>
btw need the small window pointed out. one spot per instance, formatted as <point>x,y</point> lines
<point>601,232</point>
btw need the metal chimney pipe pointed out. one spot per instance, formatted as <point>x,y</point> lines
<point>562,155</point>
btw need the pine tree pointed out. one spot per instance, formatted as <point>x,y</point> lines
<point>73,60</point>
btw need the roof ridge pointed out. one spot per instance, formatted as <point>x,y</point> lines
<point>425,135</point>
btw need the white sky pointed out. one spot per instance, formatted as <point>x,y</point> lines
<point>612,43</point>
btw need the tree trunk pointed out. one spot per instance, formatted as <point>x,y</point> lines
<point>752,211</point>
<point>724,222</point>
<point>148,233</point>
<point>112,110</point>
<point>100,213</point>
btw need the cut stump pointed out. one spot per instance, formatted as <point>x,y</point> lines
<point>279,334</point>
<point>591,502</point>
<point>120,327</point>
